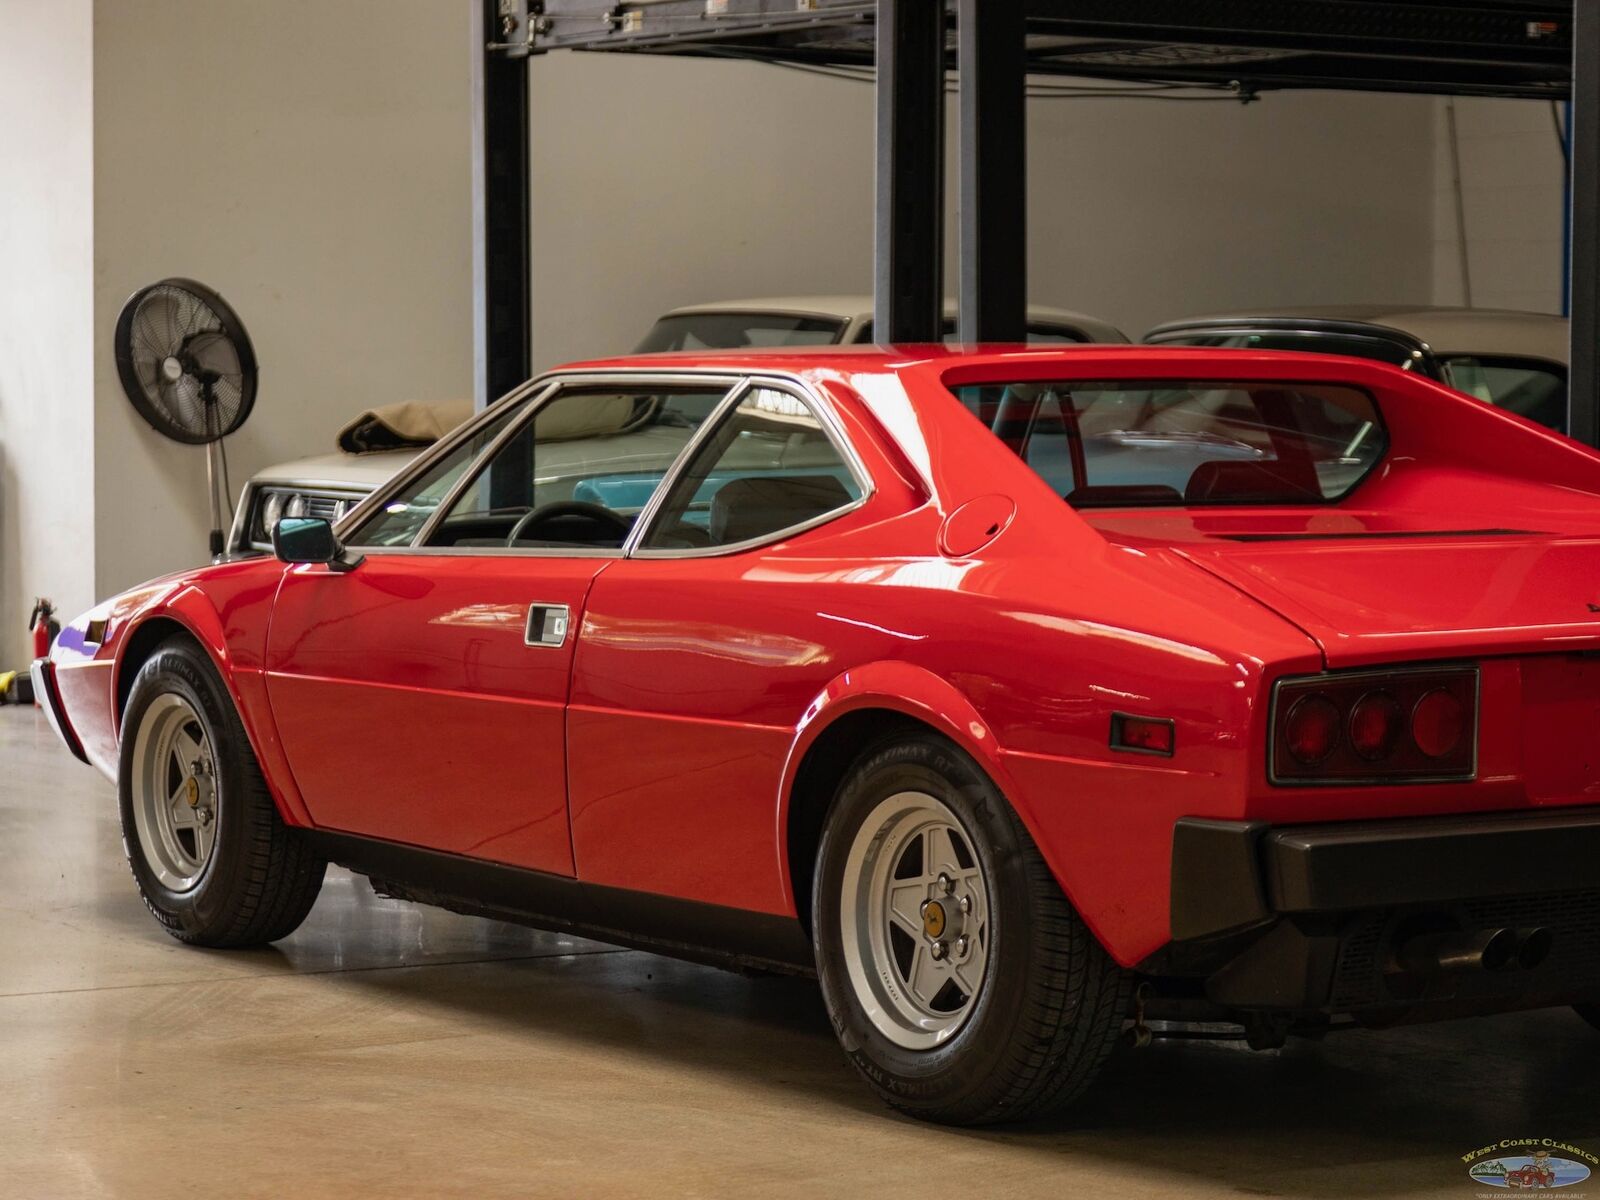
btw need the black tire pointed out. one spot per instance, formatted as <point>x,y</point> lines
<point>1589,1012</point>
<point>261,878</point>
<point>1052,1003</point>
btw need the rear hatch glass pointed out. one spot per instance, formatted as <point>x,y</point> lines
<point>1171,443</point>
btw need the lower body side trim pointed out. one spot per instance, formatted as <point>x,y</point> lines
<point>688,929</point>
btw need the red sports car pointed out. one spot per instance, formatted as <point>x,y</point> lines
<point>1020,694</point>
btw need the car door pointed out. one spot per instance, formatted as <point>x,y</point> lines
<point>701,651</point>
<point>420,698</point>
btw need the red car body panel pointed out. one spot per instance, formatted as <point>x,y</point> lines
<point>413,643</point>
<point>659,749</point>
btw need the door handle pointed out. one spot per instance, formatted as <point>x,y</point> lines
<point>547,625</point>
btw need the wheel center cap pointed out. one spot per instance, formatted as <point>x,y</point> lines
<point>934,919</point>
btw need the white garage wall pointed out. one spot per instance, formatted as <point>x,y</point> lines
<point>1511,196</point>
<point>661,182</point>
<point>312,163</point>
<point>310,160</point>
<point>46,401</point>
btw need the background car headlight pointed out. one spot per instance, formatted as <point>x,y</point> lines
<point>296,506</point>
<point>271,512</point>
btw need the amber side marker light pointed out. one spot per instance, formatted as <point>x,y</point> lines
<point>1143,735</point>
<point>1407,725</point>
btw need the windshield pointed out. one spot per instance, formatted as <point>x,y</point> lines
<point>737,331</point>
<point>1106,445</point>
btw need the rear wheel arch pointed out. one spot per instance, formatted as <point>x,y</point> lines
<point>821,772</point>
<point>860,709</point>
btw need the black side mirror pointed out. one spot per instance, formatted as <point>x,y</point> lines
<point>310,540</point>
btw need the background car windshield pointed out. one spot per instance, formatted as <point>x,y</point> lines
<point>737,331</point>
<point>1105,445</point>
<point>1037,335</point>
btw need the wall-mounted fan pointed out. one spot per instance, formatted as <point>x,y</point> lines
<point>187,365</point>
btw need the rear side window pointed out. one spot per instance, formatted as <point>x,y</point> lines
<point>769,468</point>
<point>1118,444</point>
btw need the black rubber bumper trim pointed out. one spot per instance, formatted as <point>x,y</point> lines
<point>43,675</point>
<point>1380,864</point>
<point>1216,877</point>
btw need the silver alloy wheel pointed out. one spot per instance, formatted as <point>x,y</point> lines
<point>174,792</point>
<point>914,918</point>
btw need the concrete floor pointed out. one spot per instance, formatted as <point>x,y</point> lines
<point>391,1050</point>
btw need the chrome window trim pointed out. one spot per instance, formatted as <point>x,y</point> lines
<point>494,551</point>
<point>402,478</point>
<point>551,383</point>
<point>832,429</point>
<point>545,390</point>
<point>485,457</point>
<point>647,515</point>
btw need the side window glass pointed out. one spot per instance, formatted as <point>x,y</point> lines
<point>579,474</point>
<point>399,521</point>
<point>769,467</point>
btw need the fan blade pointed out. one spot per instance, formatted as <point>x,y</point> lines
<point>213,352</point>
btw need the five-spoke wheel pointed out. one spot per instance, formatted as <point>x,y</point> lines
<point>914,920</point>
<point>961,983</point>
<point>212,857</point>
<point>174,786</point>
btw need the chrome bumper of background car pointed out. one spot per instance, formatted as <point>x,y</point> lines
<point>43,673</point>
<point>1323,918</point>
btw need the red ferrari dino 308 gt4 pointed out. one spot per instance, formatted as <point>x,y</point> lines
<point>1024,696</point>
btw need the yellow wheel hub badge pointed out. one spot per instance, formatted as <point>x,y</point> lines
<point>191,791</point>
<point>933,919</point>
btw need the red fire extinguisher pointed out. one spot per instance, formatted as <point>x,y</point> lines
<point>44,627</point>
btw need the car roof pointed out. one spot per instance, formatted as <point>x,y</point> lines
<point>820,361</point>
<point>339,469</point>
<point>858,307</point>
<point>1445,330</point>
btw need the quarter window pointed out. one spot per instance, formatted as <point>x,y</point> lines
<point>768,468</point>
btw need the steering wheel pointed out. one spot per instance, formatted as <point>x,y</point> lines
<point>569,508</point>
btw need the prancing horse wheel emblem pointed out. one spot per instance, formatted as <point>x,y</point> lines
<point>191,791</point>
<point>933,919</point>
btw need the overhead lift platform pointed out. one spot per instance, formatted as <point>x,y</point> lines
<point>989,49</point>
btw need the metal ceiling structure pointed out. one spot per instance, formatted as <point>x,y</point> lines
<point>1546,49</point>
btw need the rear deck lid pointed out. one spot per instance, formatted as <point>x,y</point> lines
<point>1379,591</point>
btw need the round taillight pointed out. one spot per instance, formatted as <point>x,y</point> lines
<point>1311,730</point>
<point>1375,724</point>
<point>1437,723</point>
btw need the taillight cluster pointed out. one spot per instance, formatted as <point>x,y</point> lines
<point>1405,725</point>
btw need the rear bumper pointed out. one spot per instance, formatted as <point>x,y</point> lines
<point>1311,917</point>
<point>43,673</point>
